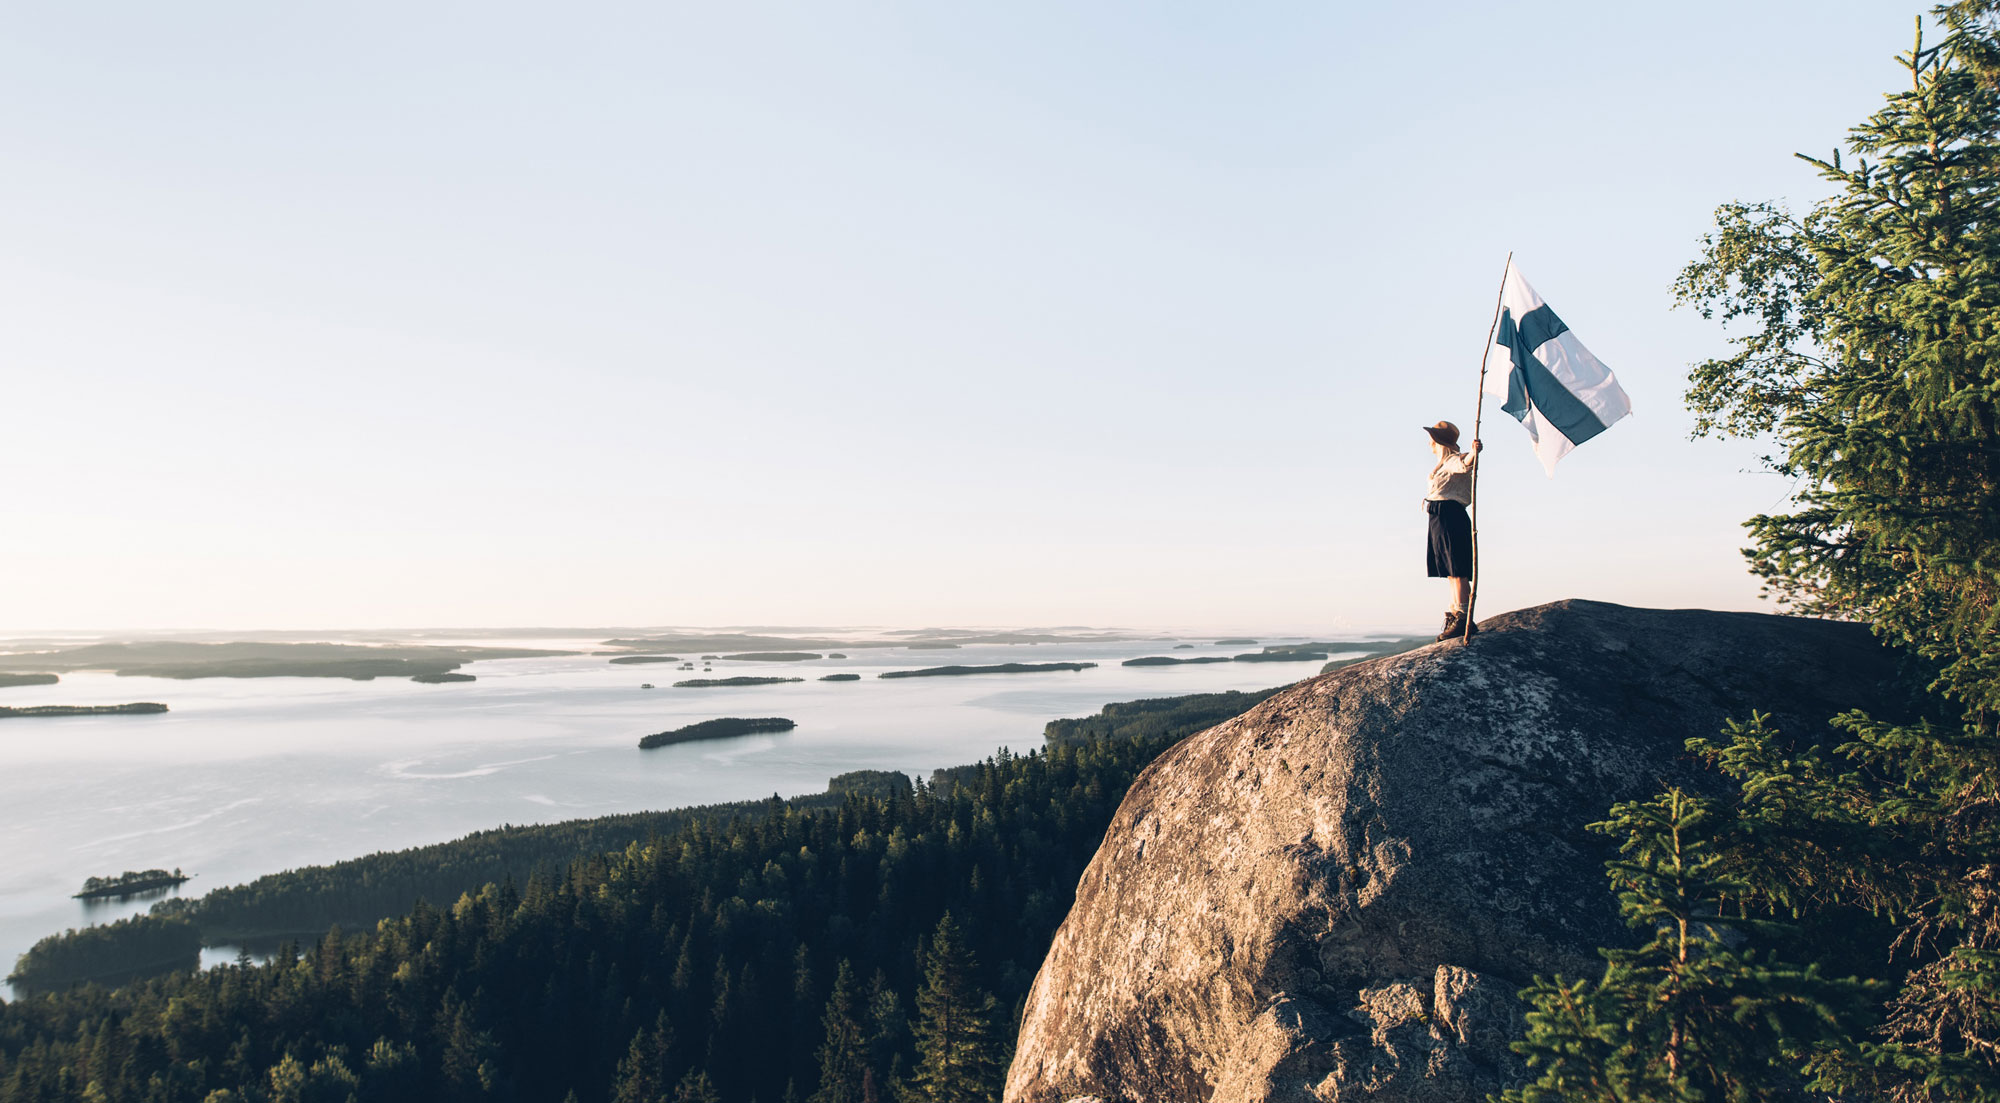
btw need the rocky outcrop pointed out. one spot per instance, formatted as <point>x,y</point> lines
<point>1337,895</point>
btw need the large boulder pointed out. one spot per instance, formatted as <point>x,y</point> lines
<point>1337,895</point>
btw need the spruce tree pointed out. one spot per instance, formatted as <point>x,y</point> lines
<point>957,1057</point>
<point>696,1087</point>
<point>1872,367</point>
<point>643,1075</point>
<point>1695,1012</point>
<point>843,1056</point>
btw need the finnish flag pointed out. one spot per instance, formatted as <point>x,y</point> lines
<point>1560,393</point>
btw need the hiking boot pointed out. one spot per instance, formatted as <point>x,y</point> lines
<point>1454,625</point>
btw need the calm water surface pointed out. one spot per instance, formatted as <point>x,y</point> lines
<point>251,776</point>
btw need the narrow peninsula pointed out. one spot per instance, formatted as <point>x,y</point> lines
<point>705,683</point>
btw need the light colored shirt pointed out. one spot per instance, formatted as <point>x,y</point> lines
<point>1451,479</point>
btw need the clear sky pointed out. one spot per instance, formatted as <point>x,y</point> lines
<point>375,314</point>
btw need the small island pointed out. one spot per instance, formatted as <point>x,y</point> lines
<point>1235,643</point>
<point>836,655</point>
<point>645,685</point>
<point>441,677</point>
<point>135,708</point>
<point>1000,668</point>
<point>933,645</point>
<point>722,728</point>
<point>840,677</point>
<point>773,657</point>
<point>704,683</point>
<point>1167,660</point>
<point>129,882</point>
<point>1182,646</point>
<point>28,680</point>
<point>631,660</point>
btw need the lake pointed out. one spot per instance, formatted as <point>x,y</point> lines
<point>252,776</point>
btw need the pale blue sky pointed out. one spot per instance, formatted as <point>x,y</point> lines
<point>485,314</point>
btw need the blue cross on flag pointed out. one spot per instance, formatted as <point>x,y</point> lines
<point>1558,391</point>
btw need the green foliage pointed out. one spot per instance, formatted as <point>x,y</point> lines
<point>1695,1012</point>
<point>108,953</point>
<point>1873,367</point>
<point>843,1056</point>
<point>957,1054</point>
<point>1870,366</point>
<point>1153,718</point>
<point>700,964</point>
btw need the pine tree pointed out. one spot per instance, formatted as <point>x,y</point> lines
<point>957,1059</point>
<point>843,1056</point>
<point>1694,1013</point>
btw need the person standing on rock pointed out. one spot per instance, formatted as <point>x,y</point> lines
<point>1450,551</point>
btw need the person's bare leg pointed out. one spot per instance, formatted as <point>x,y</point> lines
<point>1461,592</point>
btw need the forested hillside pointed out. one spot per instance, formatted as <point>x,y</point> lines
<point>704,963</point>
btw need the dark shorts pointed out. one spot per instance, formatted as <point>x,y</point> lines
<point>1450,551</point>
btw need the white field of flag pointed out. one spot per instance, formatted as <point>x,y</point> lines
<point>1545,377</point>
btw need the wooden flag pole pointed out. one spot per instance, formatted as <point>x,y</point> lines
<point>1479,411</point>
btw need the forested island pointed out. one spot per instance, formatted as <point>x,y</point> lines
<point>7,680</point>
<point>1001,668</point>
<point>441,679</point>
<point>721,728</point>
<point>135,708</point>
<point>840,677</point>
<point>774,657</point>
<point>933,645</point>
<point>1236,643</point>
<point>129,882</point>
<point>1168,660</point>
<point>708,950</point>
<point>704,683</point>
<point>634,660</point>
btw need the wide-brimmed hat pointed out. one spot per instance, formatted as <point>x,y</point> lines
<point>1444,432</point>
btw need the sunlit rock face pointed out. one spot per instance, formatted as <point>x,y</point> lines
<point>1336,895</point>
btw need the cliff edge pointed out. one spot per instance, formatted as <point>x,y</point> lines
<point>1336,895</point>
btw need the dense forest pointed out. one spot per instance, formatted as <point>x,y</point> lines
<point>876,947</point>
